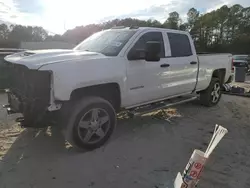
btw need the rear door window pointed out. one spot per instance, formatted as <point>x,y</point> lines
<point>179,44</point>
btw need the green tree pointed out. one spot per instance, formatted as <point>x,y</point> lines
<point>192,17</point>
<point>193,24</point>
<point>234,21</point>
<point>39,34</point>
<point>173,21</point>
<point>4,32</point>
<point>222,19</point>
<point>20,33</point>
<point>153,23</point>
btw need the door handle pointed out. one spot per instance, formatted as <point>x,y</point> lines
<point>165,65</point>
<point>193,62</point>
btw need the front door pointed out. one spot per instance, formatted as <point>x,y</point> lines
<point>145,78</point>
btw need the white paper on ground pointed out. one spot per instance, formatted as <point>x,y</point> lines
<point>196,158</point>
<point>178,181</point>
<point>212,139</point>
<point>219,133</point>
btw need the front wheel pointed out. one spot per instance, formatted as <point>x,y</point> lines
<point>91,123</point>
<point>211,96</point>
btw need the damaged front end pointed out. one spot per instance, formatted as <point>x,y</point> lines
<point>29,93</point>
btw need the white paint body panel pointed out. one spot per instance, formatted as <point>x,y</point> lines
<point>140,82</point>
<point>83,73</point>
<point>182,75</point>
<point>209,63</point>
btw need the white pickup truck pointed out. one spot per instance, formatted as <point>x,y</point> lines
<point>134,69</point>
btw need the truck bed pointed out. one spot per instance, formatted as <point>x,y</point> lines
<point>210,62</point>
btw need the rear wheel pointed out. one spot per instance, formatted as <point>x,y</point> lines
<point>211,96</point>
<point>91,123</point>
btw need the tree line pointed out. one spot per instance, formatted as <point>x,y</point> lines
<point>226,29</point>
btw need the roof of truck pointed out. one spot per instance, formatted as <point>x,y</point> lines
<point>149,29</point>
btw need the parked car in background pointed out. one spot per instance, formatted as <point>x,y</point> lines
<point>242,60</point>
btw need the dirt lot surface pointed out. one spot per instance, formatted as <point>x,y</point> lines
<point>146,152</point>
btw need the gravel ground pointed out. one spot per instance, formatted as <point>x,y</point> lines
<point>146,152</point>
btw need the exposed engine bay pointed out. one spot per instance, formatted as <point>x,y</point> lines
<point>28,93</point>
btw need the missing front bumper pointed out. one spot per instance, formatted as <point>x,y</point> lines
<point>33,114</point>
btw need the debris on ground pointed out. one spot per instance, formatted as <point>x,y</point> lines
<point>238,88</point>
<point>8,137</point>
<point>162,114</point>
<point>165,114</point>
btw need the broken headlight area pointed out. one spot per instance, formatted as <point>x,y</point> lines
<point>28,93</point>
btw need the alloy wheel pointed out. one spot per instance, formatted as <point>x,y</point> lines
<point>216,93</point>
<point>93,126</point>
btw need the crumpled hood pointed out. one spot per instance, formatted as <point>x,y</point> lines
<point>37,58</point>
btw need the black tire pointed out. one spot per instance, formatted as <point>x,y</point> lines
<point>79,110</point>
<point>206,96</point>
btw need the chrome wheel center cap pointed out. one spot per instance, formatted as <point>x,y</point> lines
<point>94,125</point>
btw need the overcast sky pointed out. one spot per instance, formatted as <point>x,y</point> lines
<point>58,15</point>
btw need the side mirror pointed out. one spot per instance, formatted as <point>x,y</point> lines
<point>153,50</point>
<point>136,54</point>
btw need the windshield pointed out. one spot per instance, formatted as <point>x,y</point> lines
<point>242,57</point>
<point>109,42</point>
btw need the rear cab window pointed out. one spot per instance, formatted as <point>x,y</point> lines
<point>179,44</point>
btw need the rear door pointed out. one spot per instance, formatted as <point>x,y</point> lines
<point>183,63</point>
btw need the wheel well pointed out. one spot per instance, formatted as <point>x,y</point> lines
<point>220,74</point>
<point>110,92</point>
